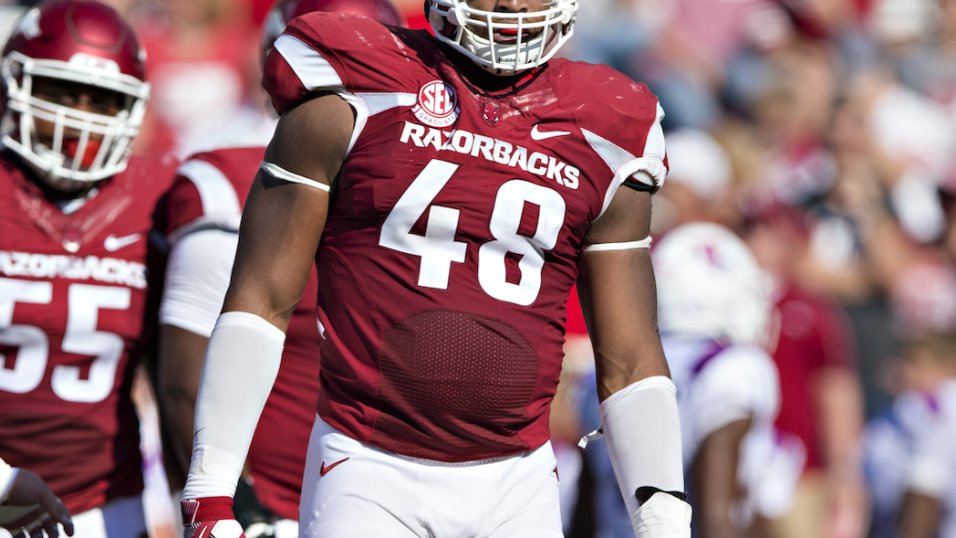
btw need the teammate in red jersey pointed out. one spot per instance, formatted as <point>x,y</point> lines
<point>204,211</point>
<point>74,226</point>
<point>450,190</point>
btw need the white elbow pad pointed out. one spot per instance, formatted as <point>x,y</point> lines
<point>642,430</point>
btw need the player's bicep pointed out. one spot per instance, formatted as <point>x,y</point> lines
<point>286,209</point>
<point>619,296</point>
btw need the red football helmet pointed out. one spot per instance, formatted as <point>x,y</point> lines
<point>71,43</point>
<point>283,11</point>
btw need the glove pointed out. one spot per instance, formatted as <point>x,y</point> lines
<point>210,517</point>
<point>28,490</point>
<point>662,515</point>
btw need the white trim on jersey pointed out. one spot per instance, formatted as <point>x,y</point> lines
<point>624,164</point>
<point>627,245</point>
<point>314,71</point>
<point>278,172</point>
<point>216,193</point>
<point>380,102</point>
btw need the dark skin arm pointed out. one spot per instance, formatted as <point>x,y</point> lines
<point>282,222</point>
<point>921,516</point>
<point>281,226</point>
<point>619,296</point>
<point>181,355</point>
<point>714,475</point>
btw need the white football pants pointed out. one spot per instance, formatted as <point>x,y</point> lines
<point>365,492</point>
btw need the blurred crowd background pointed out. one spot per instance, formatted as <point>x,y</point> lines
<point>823,131</point>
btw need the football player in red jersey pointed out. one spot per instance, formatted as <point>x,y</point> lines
<point>204,211</point>
<point>74,225</point>
<point>450,190</point>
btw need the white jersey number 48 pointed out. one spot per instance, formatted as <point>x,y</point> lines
<point>438,248</point>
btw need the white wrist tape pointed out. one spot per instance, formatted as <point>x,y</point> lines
<point>242,361</point>
<point>7,476</point>
<point>642,431</point>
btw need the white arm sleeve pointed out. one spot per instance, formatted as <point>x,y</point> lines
<point>242,361</point>
<point>642,430</point>
<point>197,277</point>
<point>7,476</point>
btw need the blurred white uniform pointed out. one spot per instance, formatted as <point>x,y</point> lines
<point>888,447</point>
<point>715,312</point>
<point>931,470</point>
<point>720,384</point>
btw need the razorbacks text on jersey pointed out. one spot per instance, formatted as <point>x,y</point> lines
<point>73,289</point>
<point>208,194</point>
<point>454,229</point>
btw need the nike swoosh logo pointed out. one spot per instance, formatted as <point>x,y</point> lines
<point>324,470</point>
<point>113,243</point>
<point>538,134</point>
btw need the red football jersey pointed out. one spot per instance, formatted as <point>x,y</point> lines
<point>209,192</point>
<point>72,298</point>
<point>454,231</point>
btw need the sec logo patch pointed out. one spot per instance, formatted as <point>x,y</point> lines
<point>437,104</point>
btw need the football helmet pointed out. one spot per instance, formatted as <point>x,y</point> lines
<point>73,43</point>
<point>283,11</point>
<point>503,43</point>
<point>710,286</point>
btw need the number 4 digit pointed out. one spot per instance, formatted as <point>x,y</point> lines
<point>437,248</point>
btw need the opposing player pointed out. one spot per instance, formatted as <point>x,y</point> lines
<point>450,193</point>
<point>204,213</point>
<point>74,226</point>
<point>715,316</point>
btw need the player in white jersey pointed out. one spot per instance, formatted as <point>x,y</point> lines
<point>715,316</point>
<point>908,451</point>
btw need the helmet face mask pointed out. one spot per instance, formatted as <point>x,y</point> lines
<point>70,112</point>
<point>503,43</point>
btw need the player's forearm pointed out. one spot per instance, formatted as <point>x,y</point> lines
<point>181,355</point>
<point>242,362</point>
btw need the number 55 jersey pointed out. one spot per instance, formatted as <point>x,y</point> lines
<point>73,287</point>
<point>454,229</point>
